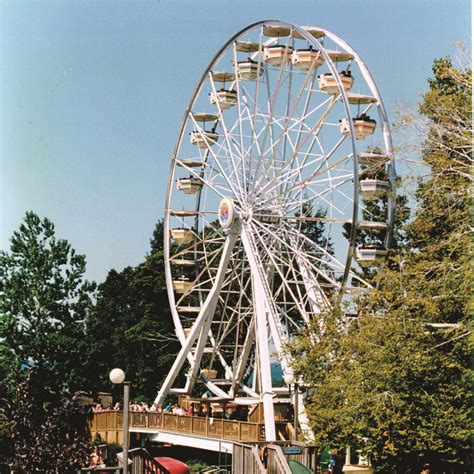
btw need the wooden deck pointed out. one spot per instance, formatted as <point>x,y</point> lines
<point>108,425</point>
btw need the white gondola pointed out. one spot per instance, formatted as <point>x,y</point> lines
<point>188,309</point>
<point>247,46</point>
<point>226,98</point>
<point>358,291</point>
<point>190,163</point>
<point>370,256</point>
<point>183,236</point>
<point>339,56</point>
<point>279,31</point>
<point>183,213</point>
<point>360,99</point>
<point>372,225</point>
<point>371,189</point>
<point>203,138</point>
<point>189,185</point>
<point>277,54</point>
<point>276,31</point>
<point>363,126</point>
<point>182,285</point>
<point>204,117</point>
<point>209,373</point>
<point>327,82</point>
<point>372,159</point>
<point>222,76</point>
<point>306,58</point>
<point>249,69</point>
<point>182,262</point>
<point>316,32</point>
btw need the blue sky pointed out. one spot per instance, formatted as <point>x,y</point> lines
<point>93,93</point>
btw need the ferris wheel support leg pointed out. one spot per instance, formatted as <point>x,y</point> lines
<point>202,321</point>
<point>244,355</point>
<point>265,367</point>
<point>262,339</point>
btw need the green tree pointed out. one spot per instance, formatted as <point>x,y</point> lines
<point>50,429</point>
<point>44,300</point>
<point>131,325</point>
<point>395,384</point>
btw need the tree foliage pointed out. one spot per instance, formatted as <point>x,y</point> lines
<point>50,430</point>
<point>131,325</point>
<point>393,384</point>
<point>44,300</point>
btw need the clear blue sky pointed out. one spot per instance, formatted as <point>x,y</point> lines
<point>92,95</point>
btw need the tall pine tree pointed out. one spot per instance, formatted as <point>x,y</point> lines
<point>131,325</point>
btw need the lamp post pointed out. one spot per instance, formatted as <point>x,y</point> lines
<point>290,380</point>
<point>117,376</point>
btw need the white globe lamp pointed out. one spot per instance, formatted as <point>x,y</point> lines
<point>117,376</point>
<point>289,378</point>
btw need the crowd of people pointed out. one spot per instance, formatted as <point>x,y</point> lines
<point>211,410</point>
<point>133,406</point>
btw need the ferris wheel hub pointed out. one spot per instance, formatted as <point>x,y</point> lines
<point>226,213</point>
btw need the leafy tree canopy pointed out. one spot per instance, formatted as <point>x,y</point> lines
<point>50,430</point>
<point>44,300</point>
<point>131,326</point>
<point>391,383</point>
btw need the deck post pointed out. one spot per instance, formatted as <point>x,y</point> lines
<point>126,398</point>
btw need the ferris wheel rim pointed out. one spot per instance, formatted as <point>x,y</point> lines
<point>260,247</point>
<point>315,42</point>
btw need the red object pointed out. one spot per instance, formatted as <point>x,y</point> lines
<point>173,465</point>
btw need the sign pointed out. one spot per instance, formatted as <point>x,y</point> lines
<point>292,450</point>
<point>226,213</point>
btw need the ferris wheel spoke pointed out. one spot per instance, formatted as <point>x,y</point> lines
<point>216,160</point>
<point>336,183</point>
<point>327,156</point>
<point>331,261</point>
<point>302,279</point>
<point>305,108</point>
<point>271,103</point>
<point>258,82</point>
<point>289,116</point>
<point>304,184</point>
<point>239,114</point>
<point>277,264</point>
<point>304,257</point>
<point>229,141</point>
<point>313,132</point>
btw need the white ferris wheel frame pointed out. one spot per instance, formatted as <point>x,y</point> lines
<point>267,319</point>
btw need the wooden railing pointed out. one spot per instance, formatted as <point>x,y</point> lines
<point>246,458</point>
<point>299,451</point>
<point>277,463</point>
<point>144,463</point>
<point>108,425</point>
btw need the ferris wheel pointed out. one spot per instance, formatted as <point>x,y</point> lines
<point>281,193</point>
